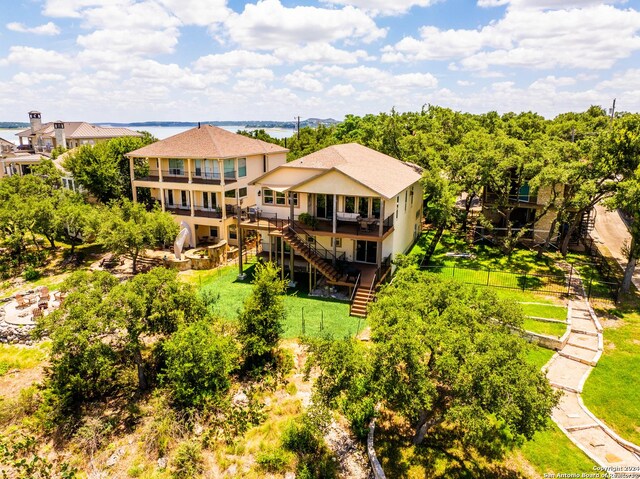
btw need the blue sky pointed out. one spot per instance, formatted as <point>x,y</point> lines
<point>190,60</point>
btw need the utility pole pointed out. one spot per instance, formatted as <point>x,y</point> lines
<point>612,110</point>
<point>298,122</point>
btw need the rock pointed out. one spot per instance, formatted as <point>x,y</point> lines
<point>198,429</point>
<point>162,462</point>
<point>115,457</point>
<point>232,470</point>
<point>240,399</point>
<point>290,475</point>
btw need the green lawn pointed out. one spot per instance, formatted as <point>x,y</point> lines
<point>539,356</point>
<point>548,311</point>
<point>544,327</point>
<point>550,451</point>
<point>21,357</point>
<point>613,389</point>
<point>320,316</point>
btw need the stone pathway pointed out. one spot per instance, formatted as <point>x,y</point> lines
<point>567,371</point>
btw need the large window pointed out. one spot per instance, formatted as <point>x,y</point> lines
<point>270,197</point>
<point>198,168</point>
<point>230,194</point>
<point>281,199</point>
<point>183,199</point>
<point>375,207</point>
<point>242,192</point>
<point>349,204</point>
<point>242,167</point>
<point>267,196</point>
<point>230,169</point>
<point>363,206</point>
<point>176,167</point>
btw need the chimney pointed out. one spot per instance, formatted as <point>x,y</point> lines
<point>35,120</point>
<point>61,139</point>
<point>198,124</point>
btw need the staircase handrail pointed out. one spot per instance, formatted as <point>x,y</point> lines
<point>373,282</point>
<point>326,254</point>
<point>355,288</point>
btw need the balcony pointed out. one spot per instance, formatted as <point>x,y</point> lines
<point>199,211</point>
<point>492,198</point>
<point>364,227</point>
<point>181,176</point>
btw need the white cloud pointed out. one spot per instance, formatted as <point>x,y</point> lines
<point>29,58</point>
<point>594,37</point>
<point>72,8</point>
<point>48,28</point>
<point>465,83</point>
<point>268,25</point>
<point>131,42</point>
<point>415,80</point>
<point>542,4</point>
<point>259,74</point>
<point>342,90</point>
<point>235,59</point>
<point>197,12</point>
<point>384,7</point>
<point>35,78</point>
<point>319,53</point>
<point>301,80</point>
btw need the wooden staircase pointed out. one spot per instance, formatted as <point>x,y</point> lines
<point>364,295</point>
<point>307,252</point>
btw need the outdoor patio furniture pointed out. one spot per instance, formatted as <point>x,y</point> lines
<point>349,217</point>
<point>38,313</point>
<point>23,301</point>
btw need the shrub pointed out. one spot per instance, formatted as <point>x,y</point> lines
<point>308,220</point>
<point>31,274</point>
<point>273,461</point>
<point>188,461</point>
<point>198,365</point>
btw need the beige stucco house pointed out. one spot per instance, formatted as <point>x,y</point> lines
<point>42,138</point>
<point>203,175</point>
<point>347,210</point>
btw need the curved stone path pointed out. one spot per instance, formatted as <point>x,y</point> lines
<point>567,371</point>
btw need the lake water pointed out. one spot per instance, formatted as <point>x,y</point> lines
<point>162,132</point>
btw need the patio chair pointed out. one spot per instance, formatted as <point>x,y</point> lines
<point>22,301</point>
<point>38,313</point>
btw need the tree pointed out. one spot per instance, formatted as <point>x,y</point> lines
<point>103,169</point>
<point>440,200</point>
<point>77,219</point>
<point>128,228</point>
<point>199,361</point>
<point>261,320</point>
<point>443,358</point>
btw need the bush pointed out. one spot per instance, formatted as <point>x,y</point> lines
<point>273,461</point>
<point>188,461</point>
<point>31,274</point>
<point>308,220</point>
<point>198,364</point>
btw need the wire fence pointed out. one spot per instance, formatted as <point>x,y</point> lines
<point>556,284</point>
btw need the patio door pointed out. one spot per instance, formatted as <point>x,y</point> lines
<point>366,251</point>
<point>324,206</point>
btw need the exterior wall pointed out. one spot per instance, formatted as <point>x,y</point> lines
<point>337,183</point>
<point>283,211</point>
<point>408,220</point>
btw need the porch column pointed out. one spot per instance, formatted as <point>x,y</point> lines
<point>380,234</point>
<point>189,171</point>
<point>335,213</point>
<point>159,169</point>
<point>162,198</point>
<point>134,192</point>
<point>281,257</point>
<point>291,212</point>
<point>221,172</point>
<point>191,202</point>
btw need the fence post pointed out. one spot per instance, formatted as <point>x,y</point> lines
<point>589,290</point>
<point>303,328</point>
<point>524,283</point>
<point>488,275</point>
<point>570,279</point>
<point>453,274</point>
<point>322,320</point>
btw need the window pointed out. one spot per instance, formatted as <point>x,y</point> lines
<point>242,167</point>
<point>267,196</point>
<point>233,232</point>
<point>229,169</point>
<point>270,197</point>
<point>406,199</point>
<point>295,199</point>
<point>337,242</point>
<point>375,207</point>
<point>176,167</point>
<point>183,198</point>
<point>242,192</point>
<point>281,199</point>
<point>198,167</point>
<point>205,200</point>
<point>349,204</point>
<point>230,194</point>
<point>264,163</point>
<point>170,197</point>
<point>213,231</point>
<point>397,206</point>
<point>411,195</point>
<point>363,206</point>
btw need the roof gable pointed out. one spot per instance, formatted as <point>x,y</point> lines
<point>207,141</point>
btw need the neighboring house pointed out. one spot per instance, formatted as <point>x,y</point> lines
<point>18,163</point>
<point>6,147</point>
<point>353,210</point>
<point>527,208</point>
<point>202,175</point>
<point>42,138</point>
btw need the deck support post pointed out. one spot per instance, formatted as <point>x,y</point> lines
<point>282,257</point>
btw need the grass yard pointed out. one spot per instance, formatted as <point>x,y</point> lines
<point>318,316</point>
<point>550,451</point>
<point>539,356</point>
<point>549,311</point>
<point>544,327</point>
<point>613,389</point>
<point>21,357</point>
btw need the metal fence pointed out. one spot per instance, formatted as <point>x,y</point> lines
<point>556,284</point>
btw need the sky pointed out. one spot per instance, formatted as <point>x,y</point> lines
<point>197,60</point>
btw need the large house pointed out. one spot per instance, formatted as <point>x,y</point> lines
<point>42,138</point>
<point>203,176</point>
